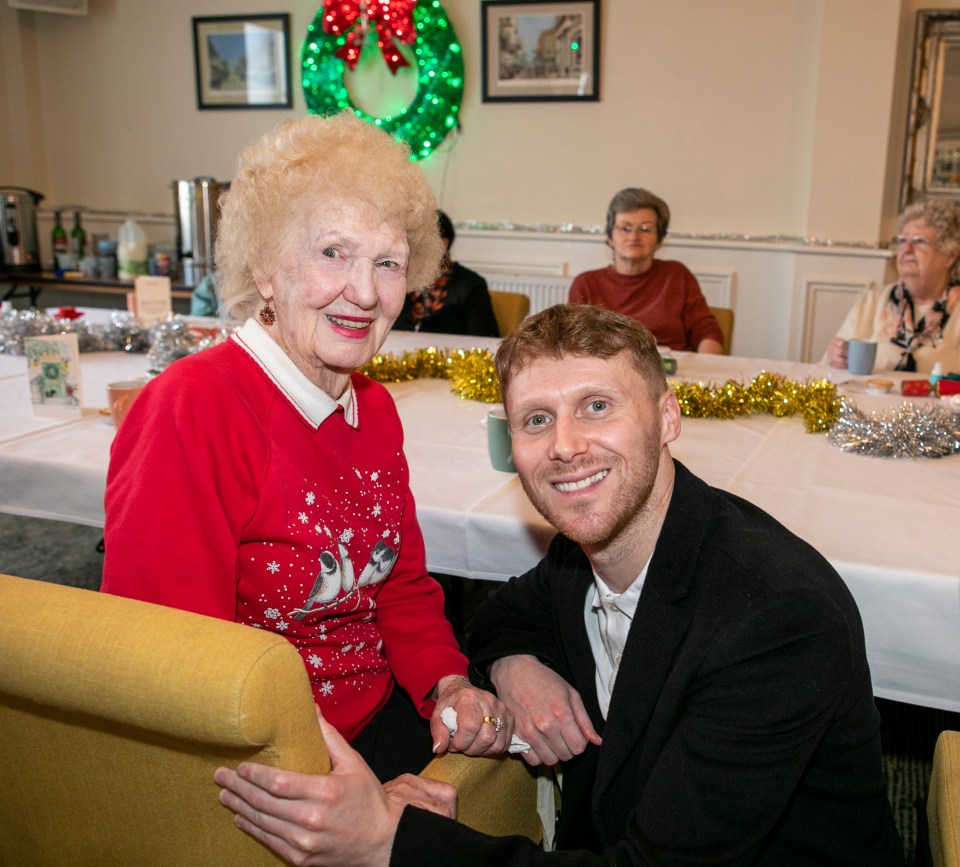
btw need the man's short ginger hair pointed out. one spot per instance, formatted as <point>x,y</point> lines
<point>580,330</point>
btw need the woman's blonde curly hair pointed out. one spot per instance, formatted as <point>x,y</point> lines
<point>300,164</point>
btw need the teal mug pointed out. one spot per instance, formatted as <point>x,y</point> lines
<point>498,441</point>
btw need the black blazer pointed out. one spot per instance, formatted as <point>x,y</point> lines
<point>742,727</point>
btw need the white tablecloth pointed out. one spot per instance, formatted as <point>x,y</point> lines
<point>888,526</point>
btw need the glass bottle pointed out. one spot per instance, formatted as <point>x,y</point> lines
<point>59,242</point>
<point>78,237</point>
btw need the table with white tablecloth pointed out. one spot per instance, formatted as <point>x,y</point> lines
<point>887,525</point>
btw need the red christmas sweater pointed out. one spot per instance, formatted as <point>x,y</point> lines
<point>240,490</point>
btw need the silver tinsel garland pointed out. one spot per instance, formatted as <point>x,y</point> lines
<point>727,237</point>
<point>164,342</point>
<point>910,430</point>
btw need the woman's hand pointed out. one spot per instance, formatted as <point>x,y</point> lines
<point>474,736</point>
<point>709,346</point>
<point>837,352</point>
<point>433,795</point>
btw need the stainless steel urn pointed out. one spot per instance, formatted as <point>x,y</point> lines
<point>197,213</point>
<point>18,239</point>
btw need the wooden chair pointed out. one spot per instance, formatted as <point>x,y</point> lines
<point>114,714</point>
<point>509,308</point>
<point>943,801</point>
<point>724,317</point>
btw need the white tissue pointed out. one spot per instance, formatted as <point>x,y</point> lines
<point>449,717</point>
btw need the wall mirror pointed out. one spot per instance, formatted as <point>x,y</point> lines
<point>932,163</point>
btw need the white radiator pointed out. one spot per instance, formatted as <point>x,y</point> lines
<point>542,291</point>
<point>718,285</point>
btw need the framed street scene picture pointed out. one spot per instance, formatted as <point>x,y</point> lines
<point>541,50</point>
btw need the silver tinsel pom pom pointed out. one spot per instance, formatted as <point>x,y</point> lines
<point>907,431</point>
<point>166,341</point>
<point>174,338</point>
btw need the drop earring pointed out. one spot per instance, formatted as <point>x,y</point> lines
<point>267,315</point>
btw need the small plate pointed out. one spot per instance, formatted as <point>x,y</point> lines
<point>873,387</point>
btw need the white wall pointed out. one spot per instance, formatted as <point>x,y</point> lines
<point>748,116</point>
<point>777,119</point>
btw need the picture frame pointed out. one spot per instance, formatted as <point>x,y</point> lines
<point>540,50</point>
<point>242,61</point>
<point>60,7</point>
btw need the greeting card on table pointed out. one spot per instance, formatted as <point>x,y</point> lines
<point>53,369</point>
<point>153,300</point>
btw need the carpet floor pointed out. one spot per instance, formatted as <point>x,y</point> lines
<point>67,554</point>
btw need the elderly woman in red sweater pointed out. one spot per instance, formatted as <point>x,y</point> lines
<point>263,480</point>
<point>663,295</point>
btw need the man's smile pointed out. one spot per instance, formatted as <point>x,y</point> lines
<point>567,487</point>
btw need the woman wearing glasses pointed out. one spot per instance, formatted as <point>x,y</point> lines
<point>663,295</point>
<point>915,321</point>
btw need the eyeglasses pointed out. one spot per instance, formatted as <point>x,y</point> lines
<point>916,241</point>
<point>643,229</point>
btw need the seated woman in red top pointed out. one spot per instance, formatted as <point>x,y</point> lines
<point>664,296</point>
<point>263,480</point>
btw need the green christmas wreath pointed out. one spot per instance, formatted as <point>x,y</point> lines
<point>433,112</point>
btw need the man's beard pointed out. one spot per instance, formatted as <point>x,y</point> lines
<point>629,502</point>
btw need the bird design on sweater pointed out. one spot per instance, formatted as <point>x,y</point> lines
<point>336,576</point>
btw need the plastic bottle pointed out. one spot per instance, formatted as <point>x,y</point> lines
<point>131,251</point>
<point>78,237</point>
<point>59,242</point>
<point>935,376</point>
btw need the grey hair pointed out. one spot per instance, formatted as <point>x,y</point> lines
<point>633,199</point>
<point>943,216</point>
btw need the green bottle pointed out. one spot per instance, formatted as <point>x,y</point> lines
<point>59,241</point>
<point>78,238</point>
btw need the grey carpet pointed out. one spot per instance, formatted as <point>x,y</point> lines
<point>67,554</point>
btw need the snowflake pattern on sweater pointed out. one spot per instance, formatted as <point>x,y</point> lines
<point>345,542</point>
<point>275,506</point>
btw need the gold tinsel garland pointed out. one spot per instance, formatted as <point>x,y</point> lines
<point>471,372</point>
<point>473,376</point>
<point>816,401</point>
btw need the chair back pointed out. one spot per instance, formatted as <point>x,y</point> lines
<point>943,801</point>
<point>724,317</point>
<point>509,308</point>
<point>115,714</point>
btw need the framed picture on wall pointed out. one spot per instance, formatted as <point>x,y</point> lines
<point>541,50</point>
<point>242,61</point>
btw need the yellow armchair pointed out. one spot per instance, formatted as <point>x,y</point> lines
<point>114,714</point>
<point>724,317</point>
<point>943,801</point>
<point>509,309</point>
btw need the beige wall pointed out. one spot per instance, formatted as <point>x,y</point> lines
<point>748,116</point>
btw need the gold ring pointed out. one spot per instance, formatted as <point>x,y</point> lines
<point>495,720</point>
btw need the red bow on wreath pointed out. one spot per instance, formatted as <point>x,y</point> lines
<point>393,20</point>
